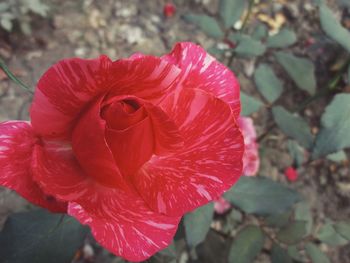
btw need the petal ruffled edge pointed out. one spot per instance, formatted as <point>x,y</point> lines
<point>16,148</point>
<point>126,227</point>
<point>201,70</point>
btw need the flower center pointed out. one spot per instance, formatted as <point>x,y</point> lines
<point>129,134</point>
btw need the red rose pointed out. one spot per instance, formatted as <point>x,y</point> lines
<point>128,146</point>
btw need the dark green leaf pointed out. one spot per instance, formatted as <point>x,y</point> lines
<point>231,11</point>
<point>197,224</point>
<point>303,213</point>
<point>260,32</point>
<point>279,220</point>
<point>170,251</point>
<point>39,236</point>
<point>261,196</point>
<point>284,38</point>
<point>247,245</point>
<point>249,104</point>
<point>301,70</point>
<point>316,255</point>
<point>293,126</point>
<point>250,47</point>
<point>332,27</point>
<point>334,135</point>
<point>206,23</point>
<point>267,83</point>
<point>343,228</point>
<point>279,255</point>
<point>292,233</point>
<point>297,152</point>
<point>294,253</point>
<point>327,234</point>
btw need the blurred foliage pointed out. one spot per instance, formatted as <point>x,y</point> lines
<point>19,12</point>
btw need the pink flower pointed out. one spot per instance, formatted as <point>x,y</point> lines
<point>251,159</point>
<point>129,146</point>
<point>291,174</point>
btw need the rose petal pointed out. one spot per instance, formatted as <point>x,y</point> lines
<point>16,145</point>
<point>92,150</point>
<point>58,172</point>
<point>201,70</point>
<point>119,220</point>
<point>63,92</point>
<point>167,136</point>
<point>123,224</point>
<point>70,85</point>
<point>209,163</point>
<point>131,147</point>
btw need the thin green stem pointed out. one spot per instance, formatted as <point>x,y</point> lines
<point>11,76</point>
<point>244,24</point>
<point>246,18</point>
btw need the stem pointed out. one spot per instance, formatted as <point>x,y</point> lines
<point>11,76</point>
<point>246,19</point>
<point>244,24</point>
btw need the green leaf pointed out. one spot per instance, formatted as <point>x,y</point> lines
<point>260,32</point>
<point>301,70</point>
<point>343,228</point>
<point>231,11</point>
<point>38,7</point>
<point>250,47</point>
<point>279,255</point>
<point>279,220</point>
<point>297,152</point>
<point>316,255</point>
<point>39,236</point>
<point>303,213</point>
<point>337,157</point>
<point>334,134</point>
<point>284,38</point>
<point>170,251</point>
<point>247,245</point>
<point>294,253</point>
<point>267,83</point>
<point>249,104</point>
<point>206,23</point>
<point>4,7</point>
<point>293,126</point>
<point>261,196</point>
<point>327,234</point>
<point>197,224</point>
<point>332,27</point>
<point>292,233</point>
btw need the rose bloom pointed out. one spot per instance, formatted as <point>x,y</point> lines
<point>127,147</point>
<point>251,160</point>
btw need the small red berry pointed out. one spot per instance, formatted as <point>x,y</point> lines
<point>291,174</point>
<point>169,10</point>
